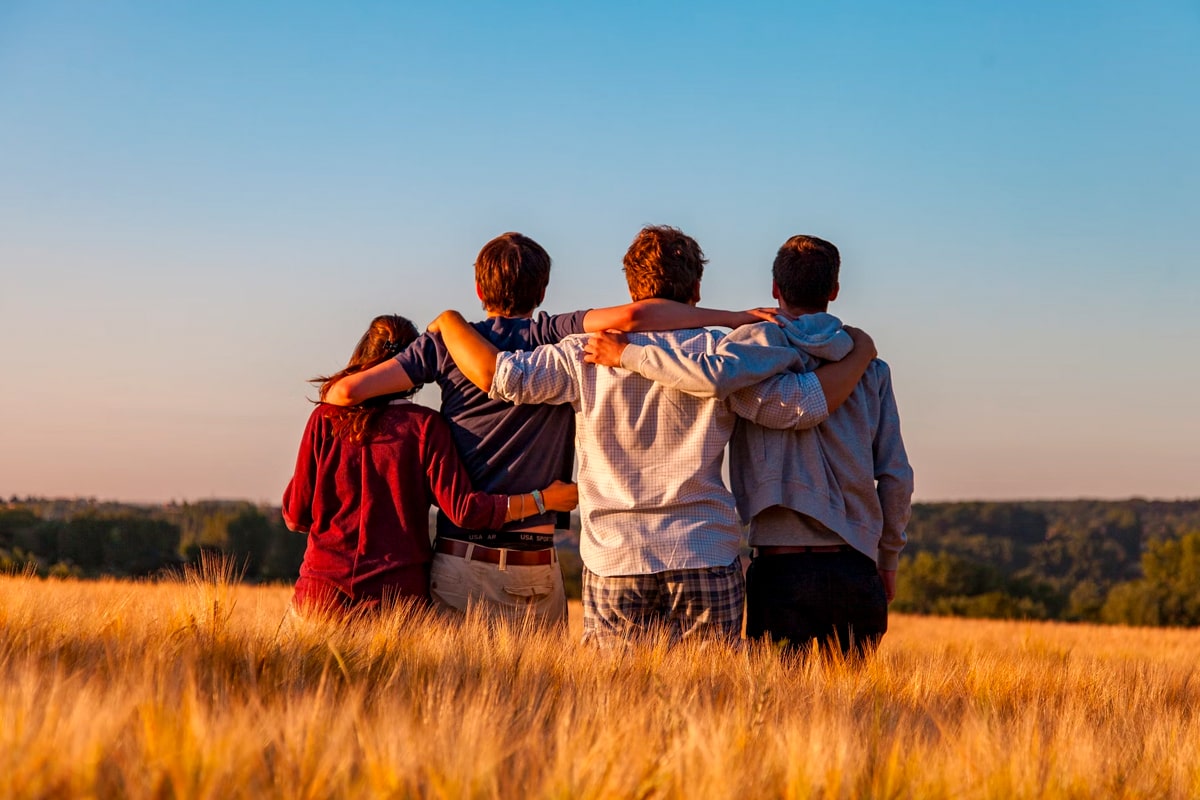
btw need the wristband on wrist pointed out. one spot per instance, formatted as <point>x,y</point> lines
<point>537,499</point>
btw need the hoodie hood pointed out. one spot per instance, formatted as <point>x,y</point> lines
<point>820,336</point>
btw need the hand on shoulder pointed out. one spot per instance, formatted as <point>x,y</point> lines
<point>448,314</point>
<point>863,343</point>
<point>765,314</point>
<point>605,348</point>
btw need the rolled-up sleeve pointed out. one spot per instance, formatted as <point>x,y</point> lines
<point>791,401</point>
<point>544,375</point>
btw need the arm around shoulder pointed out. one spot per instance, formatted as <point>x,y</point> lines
<point>744,358</point>
<point>386,378</point>
<point>474,355</point>
<point>789,401</point>
<point>656,314</point>
<point>838,378</point>
<point>547,374</point>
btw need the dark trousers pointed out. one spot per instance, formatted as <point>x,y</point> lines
<point>836,598</point>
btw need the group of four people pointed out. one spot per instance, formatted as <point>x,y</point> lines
<point>818,467</point>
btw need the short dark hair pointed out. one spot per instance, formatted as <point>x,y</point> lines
<point>806,271</point>
<point>663,262</point>
<point>512,272</point>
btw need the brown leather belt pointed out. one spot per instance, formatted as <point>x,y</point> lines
<point>783,550</point>
<point>496,555</point>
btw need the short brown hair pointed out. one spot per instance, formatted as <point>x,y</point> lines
<point>806,271</point>
<point>512,272</point>
<point>664,262</point>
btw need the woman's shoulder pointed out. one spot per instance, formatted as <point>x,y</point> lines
<point>408,421</point>
<point>414,413</point>
<point>323,411</point>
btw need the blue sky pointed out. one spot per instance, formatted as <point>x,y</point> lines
<point>202,205</point>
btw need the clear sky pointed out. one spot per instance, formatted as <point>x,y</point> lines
<point>203,204</point>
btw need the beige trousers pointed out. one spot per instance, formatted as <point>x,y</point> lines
<point>515,593</point>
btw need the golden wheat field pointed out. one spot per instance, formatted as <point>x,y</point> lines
<point>194,688</point>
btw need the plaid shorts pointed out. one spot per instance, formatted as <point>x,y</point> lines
<point>703,602</point>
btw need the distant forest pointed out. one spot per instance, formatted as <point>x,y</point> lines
<point>1131,562</point>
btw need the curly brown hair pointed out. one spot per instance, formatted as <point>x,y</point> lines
<point>512,272</point>
<point>386,336</point>
<point>664,262</point>
<point>806,271</point>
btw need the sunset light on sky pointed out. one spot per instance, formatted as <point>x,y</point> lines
<point>203,204</point>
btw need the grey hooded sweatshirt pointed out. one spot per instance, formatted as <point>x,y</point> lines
<point>850,473</point>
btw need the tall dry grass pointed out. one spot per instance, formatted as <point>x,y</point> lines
<point>196,689</point>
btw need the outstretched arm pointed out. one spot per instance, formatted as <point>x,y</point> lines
<point>667,315</point>
<point>386,378</point>
<point>757,378</point>
<point>734,365</point>
<point>537,376</point>
<point>474,355</point>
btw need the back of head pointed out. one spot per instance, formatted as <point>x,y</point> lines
<point>806,272</point>
<point>512,272</point>
<point>664,262</point>
<point>386,336</point>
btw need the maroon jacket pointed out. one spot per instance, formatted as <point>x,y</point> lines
<point>365,507</point>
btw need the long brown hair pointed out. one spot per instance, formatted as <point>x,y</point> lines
<point>386,336</point>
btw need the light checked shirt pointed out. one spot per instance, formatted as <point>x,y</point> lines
<point>848,478</point>
<point>651,497</point>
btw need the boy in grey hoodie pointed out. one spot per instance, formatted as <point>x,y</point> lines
<point>827,506</point>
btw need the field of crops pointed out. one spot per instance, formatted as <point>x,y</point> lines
<point>202,688</point>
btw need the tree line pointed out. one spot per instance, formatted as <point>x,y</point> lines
<point>1131,561</point>
<point>88,539</point>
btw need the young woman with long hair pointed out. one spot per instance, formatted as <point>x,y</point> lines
<point>365,477</point>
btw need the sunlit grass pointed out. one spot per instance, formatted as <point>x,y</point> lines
<point>202,688</point>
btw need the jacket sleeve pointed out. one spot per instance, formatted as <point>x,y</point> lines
<point>893,475</point>
<point>739,360</point>
<point>546,374</point>
<point>450,486</point>
<point>298,496</point>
